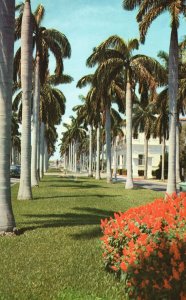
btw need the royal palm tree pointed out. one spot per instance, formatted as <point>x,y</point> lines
<point>161,125</point>
<point>44,41</point>
<point>89,114</point>
<point>75,134</point>
<point>115,57</point>
<point>52,108</point>
<point>143,121</point>
<point>116,133</point>
<point>51,138</point>
<point>25,192</point>
<point>7,9</point>
<point>35,126</point>
<point>102,94</point>
<point>161,105</point>
<point>148,12</point>
<point>86,114</point>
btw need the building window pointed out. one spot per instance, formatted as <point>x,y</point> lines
<point>140,159</point>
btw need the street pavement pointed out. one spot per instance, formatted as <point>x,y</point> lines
<point>14,180</point>
<point>150,184</point>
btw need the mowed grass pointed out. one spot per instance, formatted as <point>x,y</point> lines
<point>58,253</point>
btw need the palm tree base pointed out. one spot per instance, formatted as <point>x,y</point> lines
<point>10,231</point>
<point>24,195</point>
<point>129,185</point>
<point>4,228</point>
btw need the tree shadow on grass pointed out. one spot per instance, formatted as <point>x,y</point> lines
<point>66,197</point>
<point>87,186</point>
<point>93,217</point>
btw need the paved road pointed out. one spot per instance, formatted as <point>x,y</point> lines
<point>148,184</point>
<point>14,180</point>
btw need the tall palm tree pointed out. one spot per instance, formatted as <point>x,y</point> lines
<point>116,133</point>
<point>75,134</point>
<point>115,57</point>
<point>7,9</point>
<point>52,107</point>
<point>143,121</point>
<point>161,105</point>
<point>161,125</point>
<point>25,192</point>
<point>148,11</point>
<point>44,41</point>
<point>102,94</point>
<point>35,126</point>
<point>86,115</point>
<point>89,114</point>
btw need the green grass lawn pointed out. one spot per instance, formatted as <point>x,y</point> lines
<point>58,253</point>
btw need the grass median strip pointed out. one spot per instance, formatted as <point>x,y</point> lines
<point>58,254</point>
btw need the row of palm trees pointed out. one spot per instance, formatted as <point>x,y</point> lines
<point>38,104</point>
<point>148,11</point>
<point>118,74</point>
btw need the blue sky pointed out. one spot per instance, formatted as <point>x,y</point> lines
<point>87,23</point>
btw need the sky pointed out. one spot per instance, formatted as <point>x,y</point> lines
<point>87,23</point>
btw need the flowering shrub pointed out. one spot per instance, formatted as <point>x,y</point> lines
<point>146,246</point>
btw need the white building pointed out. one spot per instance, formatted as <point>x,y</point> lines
<point>154,155</point>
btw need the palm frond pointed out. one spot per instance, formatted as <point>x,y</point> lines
<point>149,18</point>
<point>17,65</point>
<point>131,4</point>
<point>87,79</point>
<point>39,14</point>
<point>133,44</point>
<point>60,39</point>
<point>61,79</point>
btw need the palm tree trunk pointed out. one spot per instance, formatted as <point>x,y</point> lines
<point>102,157</point>
<point>25,191</point>
<point>45,157</point>
<point>90,153</point>
<point>173,91</point>
<point>115,158</point>
<point>7,11</point>
<point>146,157</point>
<point>42,136</point>
<point>129,180</point>
<point>35,130</point>
<point>178,179</point>
<point>108,144</point>
<point>38,154</point>
<point>163,160</point>
<point>64,161</point>
<point>98,154</point>
<point>75,157</point>
<point>71,159</point>
<point>73,151</point>
<point>13,155</point>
